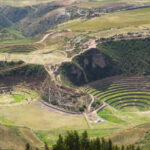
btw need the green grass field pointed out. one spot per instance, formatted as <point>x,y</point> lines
<point>18,96</point>
<point>121,19</point>
<point>115,122</point>
<point>53,123</point>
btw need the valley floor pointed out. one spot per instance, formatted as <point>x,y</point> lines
<point>48,124</point>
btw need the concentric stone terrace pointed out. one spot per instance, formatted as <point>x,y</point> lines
<point>125,93</point>
<point>15,95</point>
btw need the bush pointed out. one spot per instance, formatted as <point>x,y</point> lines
<point>54,102</point>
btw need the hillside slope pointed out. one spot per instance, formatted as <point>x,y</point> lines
<point>16,138</point>
<point>111,58</point>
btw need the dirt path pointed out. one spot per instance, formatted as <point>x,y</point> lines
<point>87,120</point>
<point>101,107</point>
<point>92,116</point>
<point>92,44</point>
<point>45,37</point>
<point>89,107</point>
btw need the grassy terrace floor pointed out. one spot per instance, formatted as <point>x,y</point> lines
<point>16,96</point>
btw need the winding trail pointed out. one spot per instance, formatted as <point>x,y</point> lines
<point>101,107</point>
<point>45,37</point>
<point>92,44</point>
<point>89,107</point>
<point>87,120</point>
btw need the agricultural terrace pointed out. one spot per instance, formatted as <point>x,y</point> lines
<point>125,93</point>
<point>11,96</point>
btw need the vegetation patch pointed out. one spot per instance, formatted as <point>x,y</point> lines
<point>128,54</point>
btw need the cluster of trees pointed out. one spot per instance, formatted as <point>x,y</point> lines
<point>31,70</point>
<point>5,64</point>
<point>29,147</point>
<point>72,141</point>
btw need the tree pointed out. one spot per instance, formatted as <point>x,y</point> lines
<point>46,146</point>
<point>77,141</point>
<point>60,144</point>
<point>122,148</point>
<point>138,148</point>
<point>27,146</point>
<point>110,145</point>
<point>97,144</point>
<point>84,141</point>
<point>103,144</point>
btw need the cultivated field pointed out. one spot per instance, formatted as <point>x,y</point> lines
<point>109,21</point>
<point>125,93</point>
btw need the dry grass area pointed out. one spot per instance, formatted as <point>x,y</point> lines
<point>115,31</point>
<point>19,136</point>
<point>109,3</point>
<point>131,135</point>
<point>38,118</point>
<point>37,57</point>
<point>121,19</point>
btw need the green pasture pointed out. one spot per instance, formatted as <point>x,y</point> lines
<point>123,19</point>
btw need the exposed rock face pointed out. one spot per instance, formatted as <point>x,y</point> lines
<point>73,73</point>
<point>98,60</point>
<point>89,66</point>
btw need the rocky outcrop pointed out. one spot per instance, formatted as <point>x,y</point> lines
<point>89,66</point>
